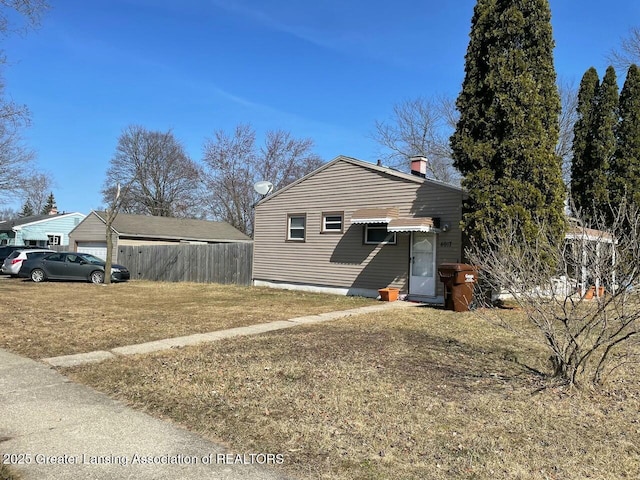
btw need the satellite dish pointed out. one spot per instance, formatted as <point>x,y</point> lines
<point>263,187</point>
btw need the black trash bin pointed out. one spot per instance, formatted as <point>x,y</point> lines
<point>458,279</point>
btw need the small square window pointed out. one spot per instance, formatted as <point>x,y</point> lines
<point>378,234</point>
<point>54,239</point>
<point>332,222</point>
<point>296,228</point>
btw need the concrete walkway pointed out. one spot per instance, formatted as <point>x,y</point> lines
<point>148,347</point>
<point>61,430</point>
<point>52,428</point>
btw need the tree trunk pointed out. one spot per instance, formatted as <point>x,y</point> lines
<point>109,259</point>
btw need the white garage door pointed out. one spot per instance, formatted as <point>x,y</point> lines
<point>99,249</point>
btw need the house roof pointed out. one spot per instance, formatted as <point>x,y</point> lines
<point>145,226</point>
<point>377,168</point>
<point>8,225</point>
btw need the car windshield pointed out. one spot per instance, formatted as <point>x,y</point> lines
<point>91,259</point>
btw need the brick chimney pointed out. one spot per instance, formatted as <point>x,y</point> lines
<point>53,211</point>
<point>419,166</point>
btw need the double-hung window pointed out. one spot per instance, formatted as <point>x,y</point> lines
<point>296,228</point>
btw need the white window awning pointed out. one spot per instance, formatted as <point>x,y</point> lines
<point>35,236</point>
<point>419,224</point>
<point>374,215</point>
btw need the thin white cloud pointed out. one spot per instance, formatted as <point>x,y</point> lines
<point>338,39</point>
<point>333,26</point>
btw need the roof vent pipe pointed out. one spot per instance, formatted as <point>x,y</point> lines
<point>419,166</point>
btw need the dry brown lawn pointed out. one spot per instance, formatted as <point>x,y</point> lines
<point>406,394</point>
<point>60,318</point>
<point>7,474</point>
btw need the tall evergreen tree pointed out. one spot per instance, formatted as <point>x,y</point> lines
<point>27,210</point>
<point>50,205</point>
<point>625,166</point>
<point>508,128</point>
<point>581,181</point>
<point>601,150</point>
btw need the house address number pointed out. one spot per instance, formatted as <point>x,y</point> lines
<point>445,244</point>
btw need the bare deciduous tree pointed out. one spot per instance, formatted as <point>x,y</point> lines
<point>16,16</point>
<point>587,338</point>
<point>15,157</point>
<point>29,13</point>
<point>165,179</point>
<point>423,126</point>
<point>568,116</point>
<point>629,51</point>
<point>284,159</point>
<point>234,163</point>
<point>150,174</point>
<point>229,177</point>
<point>8,213</point>
<point>420,127</point>
<point>36,189</point>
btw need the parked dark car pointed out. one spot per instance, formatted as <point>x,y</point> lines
<point>70,266</point>
<point>6,250</point>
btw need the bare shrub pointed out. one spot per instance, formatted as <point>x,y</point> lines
<point>552,283</point>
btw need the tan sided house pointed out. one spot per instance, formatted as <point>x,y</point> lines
<point>90,235</point>
<point>351,227</point>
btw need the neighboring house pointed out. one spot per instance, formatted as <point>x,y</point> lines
<point>351,227</point>
<point>39,230</point>
<point>90,236</point>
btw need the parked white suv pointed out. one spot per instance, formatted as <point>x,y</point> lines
<point>13,262</point>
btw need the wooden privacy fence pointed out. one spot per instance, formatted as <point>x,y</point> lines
<point>213,263</point>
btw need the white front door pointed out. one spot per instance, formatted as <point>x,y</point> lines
<point>422,279</point>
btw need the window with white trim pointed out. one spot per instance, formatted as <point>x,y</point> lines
<point>296,227</point>
<point>376,234</point>
<point>332,222</point>
<point>55,239</point>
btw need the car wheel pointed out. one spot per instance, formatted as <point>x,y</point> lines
<point>97,277</point>
<point>37,275</point>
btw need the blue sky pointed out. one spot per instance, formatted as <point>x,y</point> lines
<point>325,70</point>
